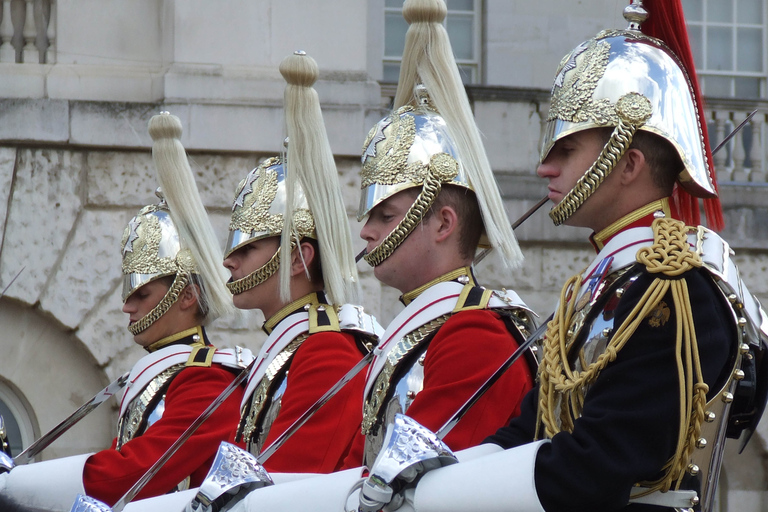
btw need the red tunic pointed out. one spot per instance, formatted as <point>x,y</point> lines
<point>109,474</point>
<point>466,350</point>
<point>322,443</point>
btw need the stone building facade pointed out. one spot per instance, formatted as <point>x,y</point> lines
<point>79,80</point>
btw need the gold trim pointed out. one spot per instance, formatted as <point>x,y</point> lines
<point>332,317</point>
<point>256,277</point>
<point>406,344</point>
<point>606,233</point>
<point>309,299</point>
<point>176,337</point>
<point>249,424</point>
<point>208,356</point>
<point>484,299</point>
<point>407,298</point>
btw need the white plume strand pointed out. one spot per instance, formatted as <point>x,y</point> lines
<point>310,159</point>
<point>428,57</point>
<point>188,213</point>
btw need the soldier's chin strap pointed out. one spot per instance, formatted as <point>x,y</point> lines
<point>180,281</point>
<point>256,277</point>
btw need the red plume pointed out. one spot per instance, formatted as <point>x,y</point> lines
<point>666,22</point>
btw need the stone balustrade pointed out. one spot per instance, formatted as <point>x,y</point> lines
<point>744,158</point>
<point>27,31</point>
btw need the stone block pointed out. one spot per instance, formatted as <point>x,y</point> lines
<point>560,264</point>
<point>217,176</point>
<point>33,119</point>
<point>234,128</point>
<point>89,267</point>
<point>121,178</point>
<point>112,124</point>
<point>7,166</point>
<point>511,134</point>
<point>105,82</point>
<point>27,81</point>
<point>753,267</point>
<point>104,331</point>
<point>44,206</point>
<point>100,31</point>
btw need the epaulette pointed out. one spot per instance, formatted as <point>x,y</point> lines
<point>323,318</point>
<point>473,297</point>
<point>201,356</point>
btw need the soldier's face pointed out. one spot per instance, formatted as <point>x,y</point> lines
<point>141,302</point>
<point>405,269</point>
<point>244,261</point>
<point>566,162</point>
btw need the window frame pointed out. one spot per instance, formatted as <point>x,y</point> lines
<point>704,24</point>
<point>475,63</point>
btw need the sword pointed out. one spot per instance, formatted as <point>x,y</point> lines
<point>191,429</point>
<point>57,431</point>
<point>306,415</point>
<point>734,132</point>
<point>14,279</point>
<point>453,420</point>
<point>266,453</point>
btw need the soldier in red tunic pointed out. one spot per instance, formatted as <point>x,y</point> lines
<point>290,256</point>
<point>171,290</point>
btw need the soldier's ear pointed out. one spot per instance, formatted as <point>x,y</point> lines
<point>635,165</point>
<point>301,258</point>
<point>188,297</point>
<point>447,222</point>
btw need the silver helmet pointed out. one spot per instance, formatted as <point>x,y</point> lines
<point>151,250</point>
<point>257,213</point>
<point>628,81</point>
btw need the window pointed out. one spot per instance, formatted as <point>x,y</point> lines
<point>18,424</point>
<point>728,39</point>
<point>463,26</point>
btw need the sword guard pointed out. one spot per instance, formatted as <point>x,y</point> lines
<point>6,463</point>
<point>88,504</point>
<point>234,473</point>
<point>410,450</point>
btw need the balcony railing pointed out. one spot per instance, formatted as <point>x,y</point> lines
<point>744,159</point>
<point>27,31</point>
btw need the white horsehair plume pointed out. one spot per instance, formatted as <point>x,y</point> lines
<point>188,213</point>
<point>428,59</point>
<point>310,160</point>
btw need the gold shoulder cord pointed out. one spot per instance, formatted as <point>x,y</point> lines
<point>671,256</point>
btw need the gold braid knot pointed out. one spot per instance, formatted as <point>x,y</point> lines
<point>562,389</point>
<point>670,253</point>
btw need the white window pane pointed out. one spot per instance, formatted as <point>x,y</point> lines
<point>750,11</point>
<point>749,49</point>
<point>719,56</point>
<point>747,87</point>
<point>693,10</point>
<point>461,5</point>
<point>391,72</point>
<point>461,34</point>
<point>395,4</point>
<point>717,86</point>
<point>720,11</point>
<point>697,46</point>
<point>394,34</point>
